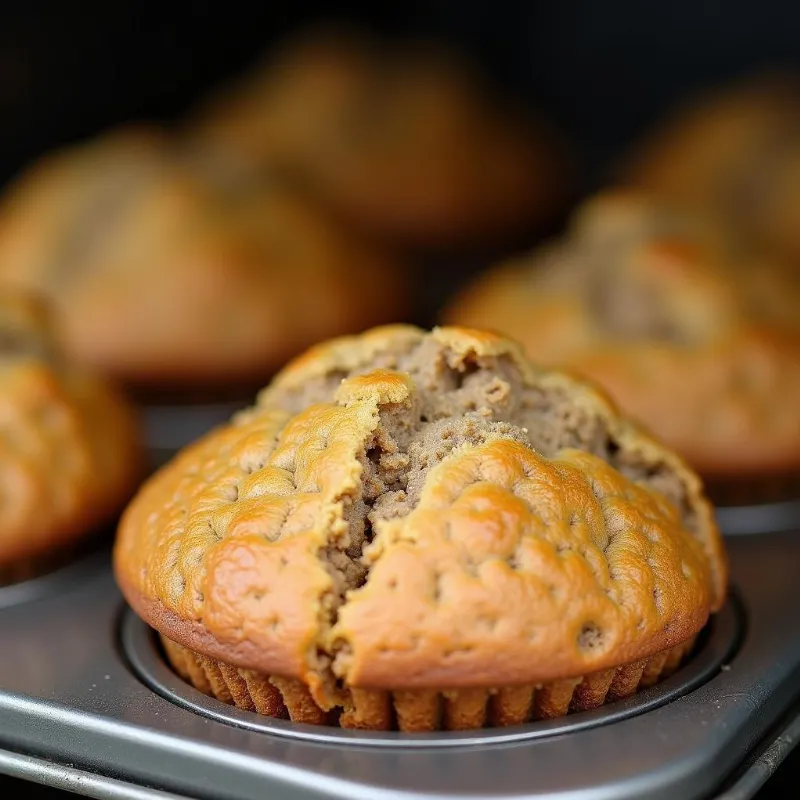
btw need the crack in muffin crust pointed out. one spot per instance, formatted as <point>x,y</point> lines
<point>405,514</point>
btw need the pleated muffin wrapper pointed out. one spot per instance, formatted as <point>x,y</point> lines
<point>420,710</point>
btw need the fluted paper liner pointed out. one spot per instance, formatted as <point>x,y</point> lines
<point>419,710</point>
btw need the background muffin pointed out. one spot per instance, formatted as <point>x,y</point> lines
<point>53,212</point>
<point>168,271</point>
<point>734,153</point>
<point>686,333</point>
<point>422,530</point>
<point>404,139</point>
<point>69,451</point>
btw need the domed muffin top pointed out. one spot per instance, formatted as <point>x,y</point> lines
<point>410,509</point>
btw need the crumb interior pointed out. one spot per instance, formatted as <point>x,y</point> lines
<point>459,401</point>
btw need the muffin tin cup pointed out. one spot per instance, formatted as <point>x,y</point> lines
<point>422,710</point>
<point>87,688</point>
<point>145,651</point>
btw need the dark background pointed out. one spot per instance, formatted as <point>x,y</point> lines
<point>604,70</point>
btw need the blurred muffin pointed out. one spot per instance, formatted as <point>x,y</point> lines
<point>52,214</point>
<point>69,452</point>
<point>656,308</point>
<point>170,273</point>
<point>276,112</point>
<point>734,153</point>
<point>403,139</point>
<point>423,530</point>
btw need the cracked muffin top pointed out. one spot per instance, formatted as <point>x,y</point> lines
<point>69,451</point>
<point>695,338</point>
<point>734,152</point>
<point>403,139</point>
<point>406,509</point>
<point>168,270</point>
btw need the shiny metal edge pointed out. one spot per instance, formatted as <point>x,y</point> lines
<point>55,582</point>
<point>779,747</point>
<point>169,427</point>
<point>765,518</point>
<point>76,781</point>
<point>718,645</point>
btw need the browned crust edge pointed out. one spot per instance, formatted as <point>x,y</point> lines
<point>420,710</point>
<point>193,636</point>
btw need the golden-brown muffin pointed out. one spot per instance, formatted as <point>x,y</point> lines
<point>423,530</point>
<point>656,308</point>
<point>734,153</point>
<point>404,139</point>
<point>69,448</point>
<point>168,273</point>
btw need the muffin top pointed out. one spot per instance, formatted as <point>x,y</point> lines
<point>696,339</point>
<point>734,152</point>
<point>69,454</point>
<point>412,510</point>
<point>170,271</point>
<point>404,138</point>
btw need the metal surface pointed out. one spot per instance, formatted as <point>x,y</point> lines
<point>767,763</point>
<point>169,427</point>
<point>69,697</point>
<point>139,645</point>
<point>78,781</point>
<point>766,518</point>
<point>53,583</point>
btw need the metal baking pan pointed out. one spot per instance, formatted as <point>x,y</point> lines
<point>86,704</point>
<point>169,427</point>
<point>765,518</point>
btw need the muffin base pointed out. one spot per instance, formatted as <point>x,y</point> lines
<point>421,710</point>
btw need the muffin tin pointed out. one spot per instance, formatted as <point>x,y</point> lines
<point>88,704</point>
<point>168,428</point>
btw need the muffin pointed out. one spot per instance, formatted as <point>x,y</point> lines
<point>173,274</point>
<point>402,139</point>
<point>734,153</point>
<point>69,451</point>
<point>656,307</point>
<point>422,530</point>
